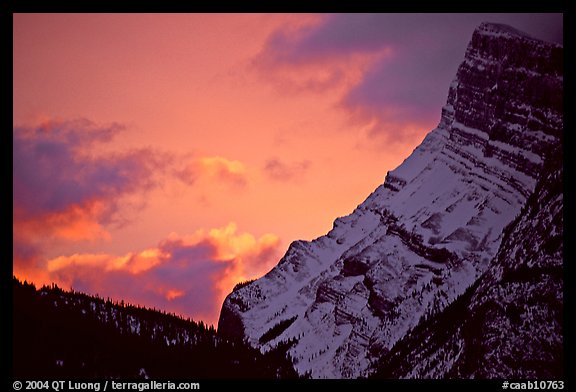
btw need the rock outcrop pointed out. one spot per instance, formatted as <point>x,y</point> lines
<point>509,324</point>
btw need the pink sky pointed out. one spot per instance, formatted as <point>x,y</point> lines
<point>161,159</point>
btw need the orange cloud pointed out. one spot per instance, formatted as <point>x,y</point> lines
<point>230,172</point>
<point>73,223</point>
<point>216,165</point>
<point>132,263</point>
<point>173,294</point>
<point>245,256</point>
<point>190,274</point>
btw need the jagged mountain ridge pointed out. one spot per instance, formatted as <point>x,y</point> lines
<point>429,231</point>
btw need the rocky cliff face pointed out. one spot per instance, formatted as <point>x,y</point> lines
<point>509,323</point>
<point>422,238</point>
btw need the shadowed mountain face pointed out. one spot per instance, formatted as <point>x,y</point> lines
<point>429,233</point>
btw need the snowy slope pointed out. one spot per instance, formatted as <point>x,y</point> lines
<point>509,324</point>
<point>428,232</point>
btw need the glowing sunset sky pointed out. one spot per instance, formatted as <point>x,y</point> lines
<point>162,158</point>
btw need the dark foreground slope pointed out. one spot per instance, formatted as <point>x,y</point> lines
<point>509,324</point>
<point>68,335</point>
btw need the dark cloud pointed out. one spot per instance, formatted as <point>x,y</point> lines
<point>64,190</point>
<point>281,171</point>
<point>25,252</point>
<point>55,167</point>
<point>188,174</point>
<point>418,56</point>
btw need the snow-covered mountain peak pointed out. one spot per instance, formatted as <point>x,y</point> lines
<point>428,232</point>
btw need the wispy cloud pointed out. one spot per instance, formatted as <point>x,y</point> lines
<point>280,171</point>
<point>393,70</point>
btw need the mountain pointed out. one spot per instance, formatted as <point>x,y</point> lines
<point>65,334</point>
<point>514,312</point>
<point>427,235</point>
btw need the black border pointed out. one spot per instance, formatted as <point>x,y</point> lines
<point>7,8</point>
<point>569,197</point>
<point>294,6</point>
